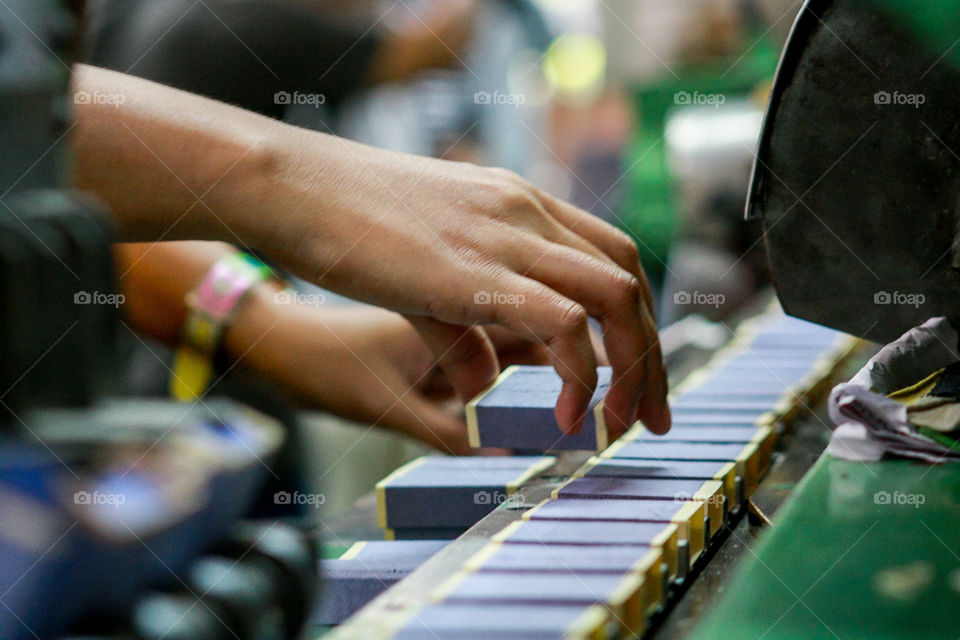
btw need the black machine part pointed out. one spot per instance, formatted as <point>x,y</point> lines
<point>244,591</point>
<point>293,557</point>
<point>856,177</point>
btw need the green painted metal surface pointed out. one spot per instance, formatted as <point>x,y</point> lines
<point>935,21</point>
<point>859,551</point>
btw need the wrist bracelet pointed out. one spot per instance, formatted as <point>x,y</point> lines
<point>212,306</point>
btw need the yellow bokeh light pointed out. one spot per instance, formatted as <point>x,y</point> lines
<point>575,63</point>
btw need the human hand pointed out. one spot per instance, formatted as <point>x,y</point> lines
<point>453,246</point>
<point>366,364</point>
<point>450,245</point>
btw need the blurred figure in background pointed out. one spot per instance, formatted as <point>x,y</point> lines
<point>697,72</point>
<point>257,53</point>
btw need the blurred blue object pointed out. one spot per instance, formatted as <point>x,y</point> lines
<point>118,499</point>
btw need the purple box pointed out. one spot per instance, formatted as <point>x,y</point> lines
<point>670,469</point>
<point>591,533</point>
<point>600,487</point>
<point>690,517</point>
<point>723,472</point>
<point>545,588</point>
<point>690,418</point>
<point>516,412</point>
<point>365,571</point>
<point>690,403</point>
<point>623,594</point>
<point>505,621</point>
<point>663,450</point>
<point>563,558</point>
<point>685,433</point>
<point>623,510</point>
<point>423,533</point>
<point>710,492</point>
<point>451,493</point>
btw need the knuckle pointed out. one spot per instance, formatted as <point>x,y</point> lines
<point>505,175</point>
<point>623,291</point>
<point>628,289</point>
<point>626,249</point>
<point>513,190</point>
<point>572,319</point>
<point>517,198</point>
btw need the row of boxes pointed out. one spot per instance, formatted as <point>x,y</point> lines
<point>596,559</point>
<point>437,497</point>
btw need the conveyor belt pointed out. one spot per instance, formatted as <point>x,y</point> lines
<point>727,419</point>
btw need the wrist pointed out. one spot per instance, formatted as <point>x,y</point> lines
<point>305,184</point>
<point>230,285</point>
<point>251,339</point>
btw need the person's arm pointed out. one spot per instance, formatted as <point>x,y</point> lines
<point>363,364</point>
<point>450,245</point>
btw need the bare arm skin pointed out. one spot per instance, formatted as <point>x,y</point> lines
<point>420,236</point>
<point>363,364</point>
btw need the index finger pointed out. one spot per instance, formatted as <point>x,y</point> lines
<point>619,246</point>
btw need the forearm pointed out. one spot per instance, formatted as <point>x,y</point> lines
<point>267,335</point>
<point>156,278</point>
<point>170,165</point>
